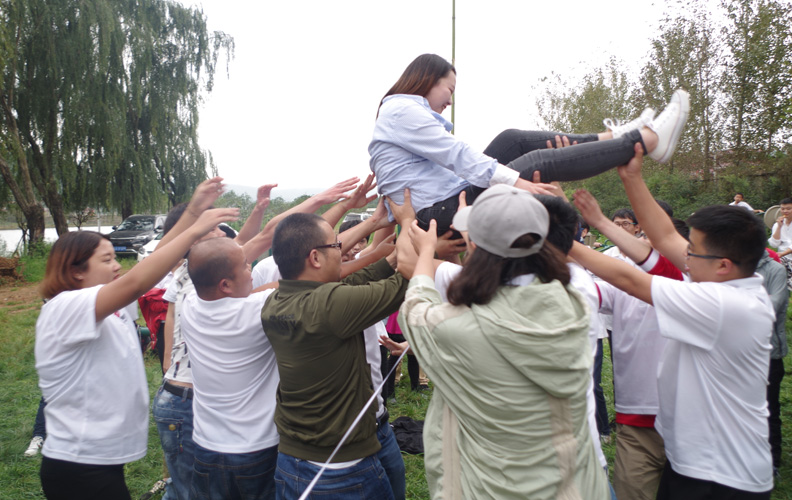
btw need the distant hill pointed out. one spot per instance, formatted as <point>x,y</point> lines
<point>286,194</point>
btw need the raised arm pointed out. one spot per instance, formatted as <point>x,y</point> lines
<point>654,221</point>
<point>634,248</point>
<point>378,220</point>
<point>263,241</point>
<point>616,272</point>
<point>205,194</point>
<point>252,225</point>
<point>146,274</point>
<point>357,199</point>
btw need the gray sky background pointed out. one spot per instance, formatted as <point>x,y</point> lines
<point>299,104</point>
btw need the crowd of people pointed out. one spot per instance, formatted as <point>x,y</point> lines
<point>274,377</point>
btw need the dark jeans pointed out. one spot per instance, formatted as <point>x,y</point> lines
<point>391,459</point>
<point>674,486</point>
<point>366,479</point>
<point>39,426</point>
<point>234,476</point>
<point>526,152</point>
<point>63,480</point>
<point>603,425</point>
<point>774,405</point>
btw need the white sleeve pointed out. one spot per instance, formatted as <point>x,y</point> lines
<point>265,272</point>
<point>72,314</point>
<point>772,241</point>
<point>688,312</point>
<point>607,293</point>
<point>504,175</point>
<point>445,273</point>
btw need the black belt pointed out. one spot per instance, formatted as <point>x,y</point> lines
<point>383,420</point>
<point>177,390</point>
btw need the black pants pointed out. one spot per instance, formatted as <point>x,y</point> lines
<point>774,405</point>
<point>413,370</point>
<point>63,480</point>
<point>526,152</point>
<point>674,486</point>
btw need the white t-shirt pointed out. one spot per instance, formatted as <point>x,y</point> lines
<point>580,280</point>
<point>615,252</point>
<point>178,289</point>
<point>235,375</point>
<point>712,380</point>
<point>785,241</point>
<point>92,377</point>
<point>742,204</point>
<point>636,348</point>
<point>266,271</point>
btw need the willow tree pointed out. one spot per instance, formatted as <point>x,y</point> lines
<point>104,95</point>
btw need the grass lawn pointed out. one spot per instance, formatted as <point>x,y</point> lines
<point>19,397</point>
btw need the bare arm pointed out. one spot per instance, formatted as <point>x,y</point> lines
<point>378,220</point>
<point>263,241</point>
<point>253,223</point>
<point>616,272</point>
<point>383,249</point>
<point>146,274</point>
<point>655,222</point>
<point>426,243</point>
<point>634,248</point>
<point>205,194</point>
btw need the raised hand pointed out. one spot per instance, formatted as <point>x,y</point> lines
<point>338,191</point>
<point>589,207</point>
<point>402,213</point>
<point>358,198</point>
<point>205,194</point>
<point>263,196</point>
<point>447,248</point>
<point>424,241</point>
<point>209,219</point>
<point>633,168</point>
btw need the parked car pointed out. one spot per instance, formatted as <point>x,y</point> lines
<point>356,216</point>
<point>149,247</point>
<point>134,232</point>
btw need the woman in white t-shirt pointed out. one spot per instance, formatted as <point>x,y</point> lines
<point>88,355</point>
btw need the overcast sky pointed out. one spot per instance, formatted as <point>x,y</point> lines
<point>299,103</point>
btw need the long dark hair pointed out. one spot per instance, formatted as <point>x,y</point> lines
<point>420,76</point>
<point>485,272</point>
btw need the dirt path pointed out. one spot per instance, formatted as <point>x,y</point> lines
<point>19,297</point>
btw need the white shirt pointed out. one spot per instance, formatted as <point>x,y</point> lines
<point>785,241</point>
<point>266,271</point>
<point>179,287</point>
<point>712,380</point>
<point>235,375</point>
<point>92,377</point>
<point>742,204</point>
<point>636,348</point>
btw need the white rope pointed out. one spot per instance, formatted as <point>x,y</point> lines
<point>378,390</point>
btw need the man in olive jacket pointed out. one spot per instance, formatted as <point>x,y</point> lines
<point>314,322</point>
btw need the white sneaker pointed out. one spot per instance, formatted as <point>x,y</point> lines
<point>669,125</point>
<point>34,446</point>
<point>618,129</point>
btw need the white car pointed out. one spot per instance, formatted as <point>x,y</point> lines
<point>149,247</point>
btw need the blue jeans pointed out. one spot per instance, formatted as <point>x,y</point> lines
<point>234,476</point>
<point>174,418</point>
<point>603,424</point>
<point>39,426</point>
<point>391,459</point>
<point>365,480</point>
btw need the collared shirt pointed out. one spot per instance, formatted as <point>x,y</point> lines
<point>412,148</point>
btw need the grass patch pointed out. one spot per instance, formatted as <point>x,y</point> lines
<point>19,397</point>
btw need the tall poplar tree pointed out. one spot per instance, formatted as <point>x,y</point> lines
<point>101,101</point>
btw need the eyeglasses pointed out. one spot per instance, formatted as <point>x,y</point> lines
<point>625,224</point>
<point>709,257</point>
<point>337,245</point>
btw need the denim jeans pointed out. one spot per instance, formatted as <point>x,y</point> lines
<point>174,418</point>
<point>40,425</point>
<point>391,459</point>
<point>365,480</point>
<point>234,476</point>
<point>603,424</point>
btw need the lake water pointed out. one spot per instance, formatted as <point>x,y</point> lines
<point>10,238</point>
